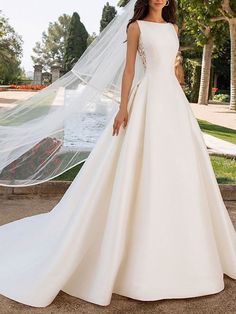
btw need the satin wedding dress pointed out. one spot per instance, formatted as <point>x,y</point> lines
<point>144,217</point>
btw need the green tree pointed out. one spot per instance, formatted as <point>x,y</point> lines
<point>205,22</point>
<point>206,34</point>
<point>227,9</point>
<point>52,48</point>
<point>108,13</point>
<point>10,52</point>
<point>76,42</point>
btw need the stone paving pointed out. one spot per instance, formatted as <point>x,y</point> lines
<point>8,99</point>
<point>216,113</point>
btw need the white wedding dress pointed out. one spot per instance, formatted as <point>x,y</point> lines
<point>144,217</point>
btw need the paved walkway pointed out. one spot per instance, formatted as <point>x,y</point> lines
<point>221,115</point>
<point>222,302</point>
<point>8,98</point>
<point>215,113</point>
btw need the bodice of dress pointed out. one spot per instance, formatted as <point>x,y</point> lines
<point>158,47</point>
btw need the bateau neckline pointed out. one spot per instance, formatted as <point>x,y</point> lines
<point>154,22</point>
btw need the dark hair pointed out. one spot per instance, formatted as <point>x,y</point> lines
<point>141,9</point>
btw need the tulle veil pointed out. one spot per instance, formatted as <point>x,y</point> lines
<point>57,128</point>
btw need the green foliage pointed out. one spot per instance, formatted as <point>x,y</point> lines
<point>108,13</point>
<point>222,97</point>
<point>10,52</point>
<point>52,48</point>
<point>224,169</point>
<point>198,21</point>
<point>202,20</point>
<point>76,42</point>
<point>193,74</point>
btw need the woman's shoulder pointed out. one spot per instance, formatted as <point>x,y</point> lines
<point>134,24</point>
<point>134,27</point>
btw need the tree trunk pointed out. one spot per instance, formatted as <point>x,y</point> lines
<point>232,28</point>
<point>205,73</point>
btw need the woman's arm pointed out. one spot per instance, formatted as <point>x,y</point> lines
<point>128,75</point>
<point>179,70</point>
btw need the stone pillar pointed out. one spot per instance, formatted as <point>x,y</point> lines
<point>56,70</point>
<point>38,74</point>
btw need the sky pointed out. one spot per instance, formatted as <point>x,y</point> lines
<point>30,18</point>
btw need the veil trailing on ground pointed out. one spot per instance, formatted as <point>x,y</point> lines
<point>56,129</point>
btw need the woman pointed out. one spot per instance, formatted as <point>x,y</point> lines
<point>151,10</point>
<point>144,217</point>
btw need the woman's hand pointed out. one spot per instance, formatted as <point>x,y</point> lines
<point>121,116</point>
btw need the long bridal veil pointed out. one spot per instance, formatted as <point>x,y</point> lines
<point>57,128</point>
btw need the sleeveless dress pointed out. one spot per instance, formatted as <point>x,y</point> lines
<point>144,217</point>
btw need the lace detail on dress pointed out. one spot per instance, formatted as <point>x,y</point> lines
<point>142,52</point>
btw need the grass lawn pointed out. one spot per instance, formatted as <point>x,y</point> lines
<point>70,174</point>
<point>218,131</point>
<point>224,168</point>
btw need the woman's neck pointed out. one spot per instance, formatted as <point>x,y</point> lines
<point>155,16</point>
